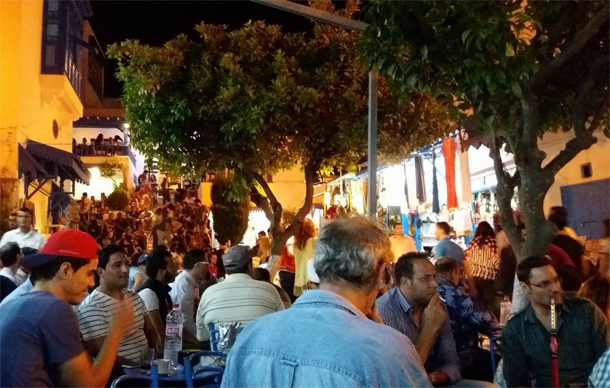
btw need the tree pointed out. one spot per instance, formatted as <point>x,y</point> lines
<point>519,69</point>
<point>256,100</point>
<point>230,216</point>
<point>110,169</point>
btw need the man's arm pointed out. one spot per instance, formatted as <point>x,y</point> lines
<point>151,332</point>
<point>434,316</point>
<point>157,323</point>
<point>94,345</point>
<point>446,356</point>
<point>601,337</point>
<point>79,371</point>
<point>515,367</point>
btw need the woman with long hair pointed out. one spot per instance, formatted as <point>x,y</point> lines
<point>482,264</point>
<point>597,289</point>
<point>304,242</point>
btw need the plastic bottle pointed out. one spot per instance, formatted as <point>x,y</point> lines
<point>173,334</point>
<point>506,308</point>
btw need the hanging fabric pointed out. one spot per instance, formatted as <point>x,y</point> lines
<point>436,208</point>
<point>449,156</point>
<point>420,185</point>
<point>406,188</point>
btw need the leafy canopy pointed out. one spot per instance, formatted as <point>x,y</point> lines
<point>485,56</point>
<point>256,100</point>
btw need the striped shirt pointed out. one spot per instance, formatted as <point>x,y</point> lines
<point>482,256</point>
<point>238,299</point>
<point>95,314</point>
<point>397,313</point>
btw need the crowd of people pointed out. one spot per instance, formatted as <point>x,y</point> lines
<point>352,307</point>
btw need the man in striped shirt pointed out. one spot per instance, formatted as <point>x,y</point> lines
<point>238,299</point>
<point>415,309</point>
<point>96,311</point>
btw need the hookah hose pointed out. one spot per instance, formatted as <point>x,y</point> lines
<point>553,332</point>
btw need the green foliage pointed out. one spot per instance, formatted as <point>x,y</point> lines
<point>230,216</point>
<point>118,199</point>
<point>110,169</point>
<point>484,55</point>
<point>256,100</point>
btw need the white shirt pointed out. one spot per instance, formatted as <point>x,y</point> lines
<point>31,239</point>
<point>6,272</point>
<point>401,245</point>
<point>150,299</point>
<point>21,277</point>
<point>238,299</point>
<point>95,315</point>
<point>185,291</point>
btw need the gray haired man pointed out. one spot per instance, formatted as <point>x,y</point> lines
<point>325,338</point>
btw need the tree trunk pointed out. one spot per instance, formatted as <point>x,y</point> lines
<point>273,211</point>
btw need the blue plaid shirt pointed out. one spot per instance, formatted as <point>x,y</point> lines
<point>397,313</point>
<point>600,377</point>
<point>468,319</point>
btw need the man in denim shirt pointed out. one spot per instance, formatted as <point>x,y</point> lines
<point>325,338</point>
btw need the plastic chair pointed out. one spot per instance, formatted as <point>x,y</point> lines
<point>152,380</point>
<point>215,372</point>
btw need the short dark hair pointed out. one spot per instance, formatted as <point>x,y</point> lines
<point>49,270</point>
<point>261,274</point>
<point>444,227</point>
<point>106,253</point>
<point>26,210</point>
<point>193,257</point>
<point>262,233</point>
<point>9,254</point>
<point>559,217</point>
<point>446,265</point>
<point>396,223</point>
<point>28,251</point>
<point>155,261</point>
<point>404,266</point>
<point>85,194</point>
<point>525,267</point>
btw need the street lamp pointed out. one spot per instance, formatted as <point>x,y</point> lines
<point>355,25</point>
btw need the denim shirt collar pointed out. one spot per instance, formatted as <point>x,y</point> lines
<point>313,297</point>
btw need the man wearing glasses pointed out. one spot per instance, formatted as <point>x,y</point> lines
<point>582,332</point>
<point>415,309</point>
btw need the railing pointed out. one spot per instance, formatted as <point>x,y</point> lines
<point>104,150</point>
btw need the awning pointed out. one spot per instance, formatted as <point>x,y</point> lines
<point>56,162</point>
<point>29,169</point>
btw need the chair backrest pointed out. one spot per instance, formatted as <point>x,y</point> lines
<point>223,335</point>
<point>211,374</point>
<point>131,381</point>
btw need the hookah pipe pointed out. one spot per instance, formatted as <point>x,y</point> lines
<point>553,332</point>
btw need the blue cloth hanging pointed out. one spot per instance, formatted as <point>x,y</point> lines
<point>436,208</point>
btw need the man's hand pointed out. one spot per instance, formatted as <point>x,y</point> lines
<point>124,316</point>
<point>373,315</point>
<point>438,379</point>
<point>435,313</point>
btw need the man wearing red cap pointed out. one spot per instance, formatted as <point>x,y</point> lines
<point>39,332</point>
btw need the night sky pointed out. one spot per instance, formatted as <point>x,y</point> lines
<point>155,22</point>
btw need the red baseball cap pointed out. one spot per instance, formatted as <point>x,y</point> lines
<point>65,243</point>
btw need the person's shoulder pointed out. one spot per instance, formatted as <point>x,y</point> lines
<point>514,323</point>
<point>579,304</point>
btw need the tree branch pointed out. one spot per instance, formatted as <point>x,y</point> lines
<point>580,40</point>
<point>262,202</point>
<point>268,192</point>
<point>506,189</point>
<point>280,241</point>
<point>584,138</point>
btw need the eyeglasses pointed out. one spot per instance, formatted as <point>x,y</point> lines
<point>427,279</point>
<point>547,283</point>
